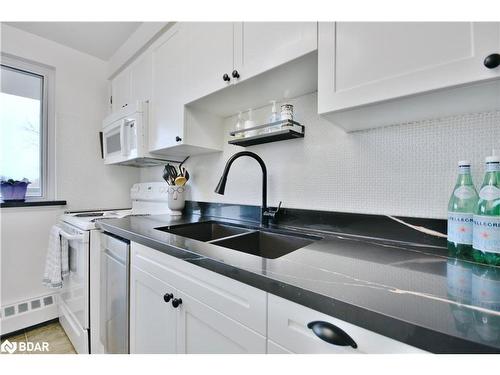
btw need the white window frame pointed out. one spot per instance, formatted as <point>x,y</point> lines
<point>48,186</point>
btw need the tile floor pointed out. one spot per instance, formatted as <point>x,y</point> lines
<point>52,333</point>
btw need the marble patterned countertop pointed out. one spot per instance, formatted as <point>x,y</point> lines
<point>408,291</point>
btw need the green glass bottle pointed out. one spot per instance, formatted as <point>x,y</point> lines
<point>461,207</point>
<point>486,231</point>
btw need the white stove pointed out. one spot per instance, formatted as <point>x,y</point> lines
<point>79,301</point>
<point>149,198</point>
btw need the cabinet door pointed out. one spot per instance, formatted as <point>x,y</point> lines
<point>366,62</point>
<point>141,78</point>
<point>120,90</point>
<point>202,329</point>
<point>209,55</point>
<point>260,46</point>
<point>167,106</point>
<point>152,320</point>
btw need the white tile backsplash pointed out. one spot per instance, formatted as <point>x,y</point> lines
<point>406,169</point>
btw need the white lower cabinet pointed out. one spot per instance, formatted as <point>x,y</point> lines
<point>214,314</point>
<point>273,348</point>
<point>201,329</point>
<point>152,320</point>
<point>178,307</point>
<point>288,332</point>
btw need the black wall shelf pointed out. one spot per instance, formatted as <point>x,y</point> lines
<point>286,129</point>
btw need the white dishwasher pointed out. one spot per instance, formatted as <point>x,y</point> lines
<point>114,314</point>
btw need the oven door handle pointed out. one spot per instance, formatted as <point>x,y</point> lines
<point>70,237</point>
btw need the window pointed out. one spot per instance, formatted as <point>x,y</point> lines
<point>24,128</point>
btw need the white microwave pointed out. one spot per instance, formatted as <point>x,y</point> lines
<point>125,138</point>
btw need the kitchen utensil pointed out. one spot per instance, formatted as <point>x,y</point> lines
<point>166,175</point>
<point>180,165</point>
<point>180,181</point>
<point>171,173</point>
<point>186,174</point>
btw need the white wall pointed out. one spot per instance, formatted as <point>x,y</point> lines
<point>81,101</point>
<point>81,92</point>
<point>406,169</point>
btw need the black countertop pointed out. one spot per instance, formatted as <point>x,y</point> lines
<point>408,291</point>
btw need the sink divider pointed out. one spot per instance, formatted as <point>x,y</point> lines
<point>233,236</point>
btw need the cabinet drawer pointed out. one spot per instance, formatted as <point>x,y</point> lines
<point>287,327</point>
<point>234,299</point>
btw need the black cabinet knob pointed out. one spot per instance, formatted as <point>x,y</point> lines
<point>178,139</point>
<point>226,78</point>
<point>331,334</point>
<point>167,297</point>
<point>235,74</point>
<point>176,302</point>
<point>492,61</point>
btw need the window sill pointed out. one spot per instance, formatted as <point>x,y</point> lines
<point>31,204</point>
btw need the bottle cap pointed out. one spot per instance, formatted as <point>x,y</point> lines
<point>464,163</point>
<point>494,158</point>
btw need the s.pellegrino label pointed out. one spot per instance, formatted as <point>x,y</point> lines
<point>464,192</point>
<point>486,235</point>
<point>489,193</point>
<point>460,228</point>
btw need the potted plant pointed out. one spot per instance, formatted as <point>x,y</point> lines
<point>14,190</point>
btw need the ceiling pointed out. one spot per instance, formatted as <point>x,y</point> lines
<point>99,39</point>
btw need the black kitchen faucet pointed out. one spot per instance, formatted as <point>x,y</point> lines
<point>266,213</point>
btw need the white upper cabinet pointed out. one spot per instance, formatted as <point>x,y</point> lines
<point>261,46</point>
<point>133,83</point>
<point>141,78</point>
<point>175,130</point>
<point>166,127</point>
<point>208,55</point>
<point>197,73</point>
<point>120,90</point>
<point>362,63</point>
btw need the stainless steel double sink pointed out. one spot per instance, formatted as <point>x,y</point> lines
<point>251,240</point>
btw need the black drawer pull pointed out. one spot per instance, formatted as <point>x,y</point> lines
<point>331,334</point>
<point>492,61</point>
<point>167,297</point>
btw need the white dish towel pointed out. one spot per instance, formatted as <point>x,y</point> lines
<point>56,262</point>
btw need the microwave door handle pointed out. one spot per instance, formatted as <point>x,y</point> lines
<point>123,138</point>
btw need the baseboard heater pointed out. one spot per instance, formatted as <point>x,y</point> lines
<point>26,313</point>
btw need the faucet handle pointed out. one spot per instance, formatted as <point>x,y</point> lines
<point>273,213</point>
<point>279,206</point>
